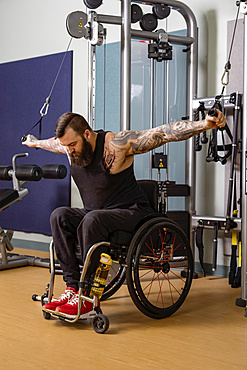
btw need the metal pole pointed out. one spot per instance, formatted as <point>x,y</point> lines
<point>191,93</point>
<point>91,86</point>
<point>167,116</point>
<point>151,108</point>
<point>244,166</point>
<point>125,82</point>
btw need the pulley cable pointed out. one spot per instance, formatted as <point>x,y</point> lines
<point>228,63</point>
<point>213,147</point>
<point>45,107</point>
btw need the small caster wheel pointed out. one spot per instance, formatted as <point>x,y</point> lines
<point>46,315</point>
<point>44,299</point>
<point>100,323</point>
<point>34,297</point>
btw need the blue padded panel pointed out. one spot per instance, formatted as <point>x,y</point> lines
<point>24,88</point>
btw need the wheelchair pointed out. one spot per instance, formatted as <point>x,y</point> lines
<point>155,260</point>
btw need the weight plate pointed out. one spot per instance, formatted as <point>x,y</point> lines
<point>161,11</point>
<point>92,4</point>
<point>148,22</point>
<point>136,13</point>
<point>75,24</point>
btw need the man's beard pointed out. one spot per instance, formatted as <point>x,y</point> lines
<point>85,158</point>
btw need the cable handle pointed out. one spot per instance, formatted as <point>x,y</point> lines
<point>213,113</point>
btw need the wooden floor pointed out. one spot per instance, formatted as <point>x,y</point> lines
<point>208,332</point>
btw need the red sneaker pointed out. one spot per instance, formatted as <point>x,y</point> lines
<point>62,300</point>
<point>71,308</point>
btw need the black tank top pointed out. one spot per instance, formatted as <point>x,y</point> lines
<point>101,190</point>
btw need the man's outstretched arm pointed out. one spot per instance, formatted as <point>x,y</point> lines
<point>52,144</point>
<point>137,142</point>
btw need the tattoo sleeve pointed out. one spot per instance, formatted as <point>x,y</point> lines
<point>53,145</point>
<point>143,141</point>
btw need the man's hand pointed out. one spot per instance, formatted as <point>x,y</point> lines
<point>30,141</point>
<point>212,122</point>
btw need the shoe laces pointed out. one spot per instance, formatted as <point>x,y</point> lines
<point>66,295</point>
<point>74,300</point>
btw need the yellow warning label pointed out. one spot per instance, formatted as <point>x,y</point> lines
<point>80,25</point>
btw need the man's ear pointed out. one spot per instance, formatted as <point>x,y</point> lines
<point>87,134</point>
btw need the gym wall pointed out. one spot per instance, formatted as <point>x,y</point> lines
<point>25,85</point>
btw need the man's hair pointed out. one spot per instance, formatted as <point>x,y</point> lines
<point>73,120</point>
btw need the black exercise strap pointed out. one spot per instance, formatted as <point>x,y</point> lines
<point>204,139</point>
<point>215,245</point>
<point>213,147</point>
<point>199,244</point>
<point>36,124</point>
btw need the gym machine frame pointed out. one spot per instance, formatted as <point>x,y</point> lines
<point>126,34</point>
<point>243,9</point>
<point>191,94</point>
<point>240,222</point>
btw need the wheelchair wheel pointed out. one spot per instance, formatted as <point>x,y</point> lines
<point>100,323</point>
<point>115,280</point>
<point>158,254</point>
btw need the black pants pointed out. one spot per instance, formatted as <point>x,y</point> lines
<point>72,226</point>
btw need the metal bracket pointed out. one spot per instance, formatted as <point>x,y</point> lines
<point>226,101</point>
<point>243,7</point>
<point>208,222</point>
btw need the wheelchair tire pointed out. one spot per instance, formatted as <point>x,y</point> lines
<point>158,253</point>
<point>100,323</point>
<point>116,278</point>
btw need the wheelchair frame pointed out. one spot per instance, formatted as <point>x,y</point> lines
<point>160,259</point>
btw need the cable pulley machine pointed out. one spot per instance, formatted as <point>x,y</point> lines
<point>230,222</point>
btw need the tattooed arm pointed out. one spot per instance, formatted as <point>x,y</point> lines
<point>134,142</point>
<point>52,144</point>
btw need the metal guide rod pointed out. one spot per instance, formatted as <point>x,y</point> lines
<point>152,74</point>
<point>244,170</point>
<point>125,74</point>
<point>167,117</point>
<point>91,85</point>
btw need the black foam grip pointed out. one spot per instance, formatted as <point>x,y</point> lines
<point>213,112</point>
<point>4,173</point>
<point>29,172</point>
<point>54,171</point>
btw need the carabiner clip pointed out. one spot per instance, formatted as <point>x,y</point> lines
<point>45,106</point>
<point>226,73</point>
